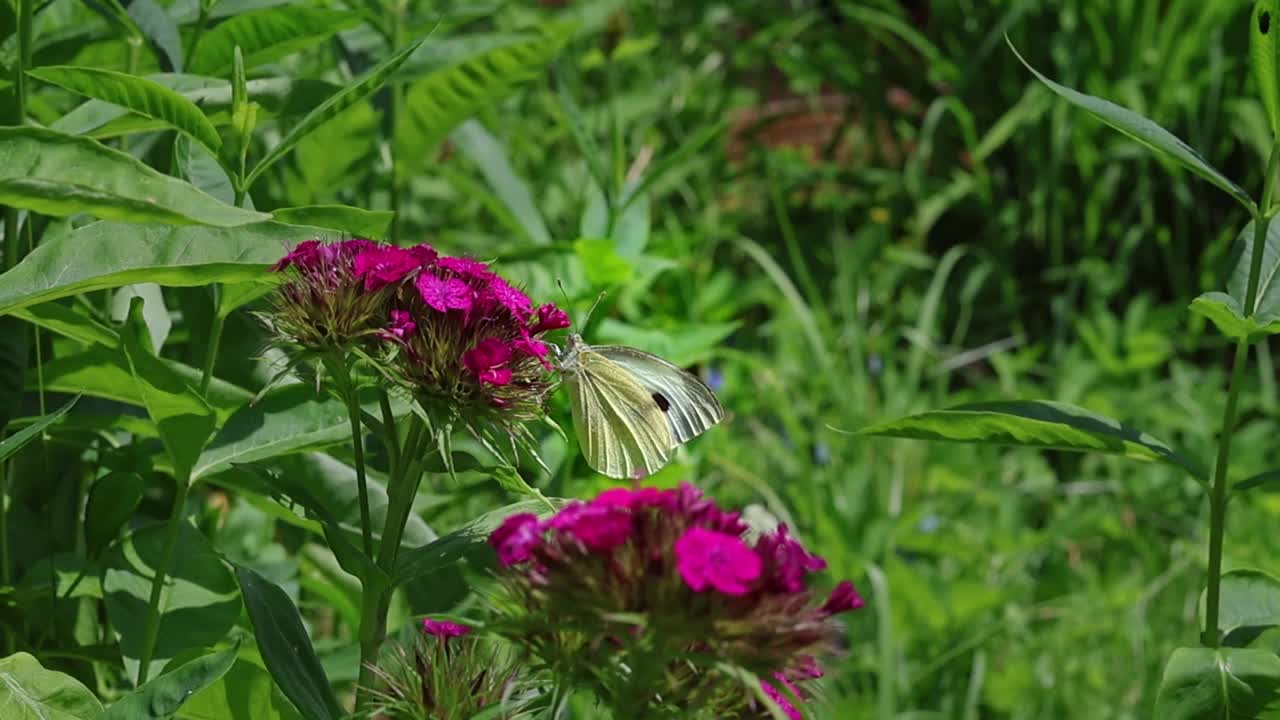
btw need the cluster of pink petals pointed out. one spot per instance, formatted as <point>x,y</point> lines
<point>444,629</point>
<point>462,325</point>
<point>710,553</point>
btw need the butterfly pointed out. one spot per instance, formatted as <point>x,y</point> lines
<point>631,409</point>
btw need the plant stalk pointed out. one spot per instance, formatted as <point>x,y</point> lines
<point>172,528</point>
<point>1218,494</point>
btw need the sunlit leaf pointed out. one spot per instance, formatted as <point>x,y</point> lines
<point>358,222</point>
<point>16,441</point>
<point>1034,423</point>
<point>266,35</point>
<point>160,698</point>
<point>1146,132</point>
<point>56,174</point>
<point>1267,306</point>
<point>139,95</point>
<point>30,692</point>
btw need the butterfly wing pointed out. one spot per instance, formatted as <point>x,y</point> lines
<point>691,406</point>
<point>622,431</point>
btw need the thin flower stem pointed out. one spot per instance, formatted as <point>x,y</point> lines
<point>340,370</point>
<point>201,20</point>
<point>172,527</point>
<point>215,339</point>
<point>1219,495</point>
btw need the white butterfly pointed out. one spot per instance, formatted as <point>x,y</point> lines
<point>631,409</point>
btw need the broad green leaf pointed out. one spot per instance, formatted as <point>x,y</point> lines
<point>154,312</point>
<point>1264,57</point>
<point>1224,683</point>
<point>1266,309</point>
<point>368,84</point>
<point>30,692</point>
<point>1034,423</point>
<point>184,419</point>
<point>111,503</point>
<point>160,698</point>
<point>66,575</point>
<point>371,224</point>
<point>139,95</point>
<point>1249,599</point>
<point>470,540</point>
<point>482,148</point>
<point>16,441</point>
<point>160,30</point>
<point>1224,312</point>
<point>1145,132</point>
<point>199,603</point>
<point>56,174</point>
<point>437,103</point>
<point>108,255</point>
<point>266,35</point>
<point>196,165</point>
<point>601,262</point>
<point>330,482</point>
<point>14,347</point>
<point>288,419</point>
<point>246,692</point>
<point>286,648</point>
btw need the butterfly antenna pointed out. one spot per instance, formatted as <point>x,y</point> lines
<point>590,312</point>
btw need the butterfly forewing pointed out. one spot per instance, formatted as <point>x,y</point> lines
<point>691,406</point>
<point>622,431</point>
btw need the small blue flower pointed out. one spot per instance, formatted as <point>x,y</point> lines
<point>930,523</point>
<point>715,378</point>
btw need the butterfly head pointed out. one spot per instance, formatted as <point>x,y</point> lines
<point>567,357</point>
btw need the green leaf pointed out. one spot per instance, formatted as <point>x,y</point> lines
<point>1264,57</point>
<point>371,224</point>
<point>16,441</point>
<point>1225,683</point>
<point>185,421</point>
<point>335,104</point>
<point>482,148</point>
<point>199,602</point>
<point>437,103</point>
<point>56,174</point>
<point>246,692</point>
<point>1225,313</point>
<point>144,97</point>
<point>266,35</point>
<point>195,164</point>
<point>111,503</point>
<point>30,692</point>
<point>1250,599</point>
<point>108,255</point>
<point>1034,423</point>
<point>160,698</point>
<point>1262,480</point>
<point>1145,132</point>
<point>160,30</point>
<point>1267,308</point>
<point>601,262</point>
<point>286,648</point>
<point>288,419</point>
<point>155,314</point>
<point>470,540</point>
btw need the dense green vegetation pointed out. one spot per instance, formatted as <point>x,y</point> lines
<point>838,212</point>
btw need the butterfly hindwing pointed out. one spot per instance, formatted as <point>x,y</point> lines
<point>622,431</point>
<point>691,406</point>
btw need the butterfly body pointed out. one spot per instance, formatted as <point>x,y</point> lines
<point>632,409</point>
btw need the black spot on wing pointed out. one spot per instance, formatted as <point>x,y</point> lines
<point>663,403</point>
<point>1264,22</point>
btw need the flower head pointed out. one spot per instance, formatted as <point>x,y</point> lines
<point>710,560</point>
<point>550,317</point>
<point>383,265</point>
<point>487,361</point>
<point>444,629</point>
<point>672,576</point>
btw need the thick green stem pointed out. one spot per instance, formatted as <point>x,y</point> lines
<point>402,488</point>
<point>172,528</point>
<point>1218,493</point>
<point>215,339</point>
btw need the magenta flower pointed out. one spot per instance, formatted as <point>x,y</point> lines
<point>486,361</point>
<point>634,499</point>
<point>786,561</point>
<point>465,267</point>
<point>402,326</point>
<point>842,599</point>
<point>707,559</point>
<point>444,629</point>
<point>776,695</point>
<point>383,265</point>
<point>444,294</point>
<point>303,254</point>
<point>515,538</point>
<point>424,254</point>
<point>550,317</point>
<point>598,527</point>
<point>516,302</point>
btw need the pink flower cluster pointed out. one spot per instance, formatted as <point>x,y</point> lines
<point>675,557</point>
<point>456,329</point>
